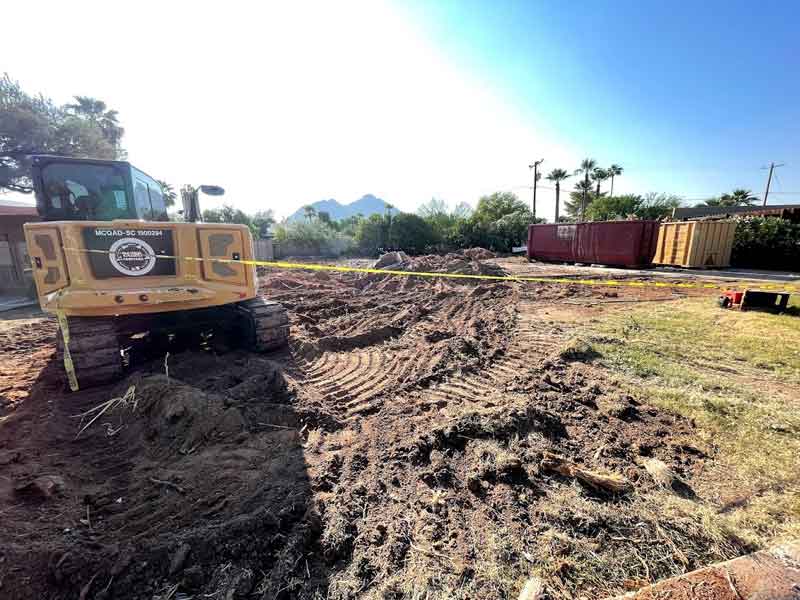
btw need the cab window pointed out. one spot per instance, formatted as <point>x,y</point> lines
<point>142,199</point>
<point>85,192</point>
<point>149,198</point>
<point>157,205</point>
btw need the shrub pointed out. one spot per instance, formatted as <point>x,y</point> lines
<point>304,233</point>
<point>766,242</point>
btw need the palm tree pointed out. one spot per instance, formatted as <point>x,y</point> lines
<point>587,166</point>
<point>557,176</point>
<point>599,176</point>
<point>738,197</point>
<point>582,193</point>
<point>742,197</point>
<point>613,171</point>
<point>168,193</point>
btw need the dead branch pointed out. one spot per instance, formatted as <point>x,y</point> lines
<point>609,482</point>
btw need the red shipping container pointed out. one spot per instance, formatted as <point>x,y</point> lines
<point>619,243</point>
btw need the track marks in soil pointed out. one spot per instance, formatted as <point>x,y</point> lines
<point>351,381</point>
<point>357,382</point>
<point>533,341</point>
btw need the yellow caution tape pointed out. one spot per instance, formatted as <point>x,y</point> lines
<point>509,278</point>
<point>63,325</point>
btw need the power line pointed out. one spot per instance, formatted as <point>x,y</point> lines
<point>778,182</point>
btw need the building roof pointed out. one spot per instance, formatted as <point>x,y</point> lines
<point>18,211</point>
<point>17,204</point>
<point>786,211</point>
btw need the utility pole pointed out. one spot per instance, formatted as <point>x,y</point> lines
<point>769,179</point>
<point>535,168</point>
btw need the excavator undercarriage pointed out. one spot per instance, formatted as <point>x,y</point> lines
<point>101,348</point>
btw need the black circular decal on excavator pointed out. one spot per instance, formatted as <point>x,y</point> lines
<point>131,256</point>
<point>129,252</point>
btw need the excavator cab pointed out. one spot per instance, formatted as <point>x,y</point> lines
<point>84,190</point>
<point>108,261</point>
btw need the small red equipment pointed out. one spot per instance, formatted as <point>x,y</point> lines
<point>755,300</point>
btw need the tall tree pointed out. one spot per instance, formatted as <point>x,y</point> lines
<point>658,205</point>
<point>97,112</point>
<point>557,176</point>
<point>310,212</point>
<point>738,197</point>
<point>432,208</point>
<point>599,176</point>
<point>580,199</point>
<point>608,208</point>
<point>263,220</point>
<point>411,233</point>
<point>227,214</point>
<point>496,206</point>
<point>742,197</point>
<point>587,166</point>
<point>35,124</point>
<point>613,171</point>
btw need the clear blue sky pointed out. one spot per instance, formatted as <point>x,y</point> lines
<point>690,97</point>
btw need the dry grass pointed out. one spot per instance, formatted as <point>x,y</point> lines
<point>738,376</point>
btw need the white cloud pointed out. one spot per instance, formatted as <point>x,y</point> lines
<point>283,103</point>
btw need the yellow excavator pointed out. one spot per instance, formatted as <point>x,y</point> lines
<point>108,261</point>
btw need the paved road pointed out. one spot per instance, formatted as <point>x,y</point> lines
<point>519,266</point>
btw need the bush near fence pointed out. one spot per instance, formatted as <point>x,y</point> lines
<point>766,243</point>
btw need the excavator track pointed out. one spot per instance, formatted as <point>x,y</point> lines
<point>94,342</point>
<point>94,349</point>
<point>265,324</point>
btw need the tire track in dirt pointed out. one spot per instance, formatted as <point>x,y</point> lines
<point>532,342</point>
<point>355,382</point>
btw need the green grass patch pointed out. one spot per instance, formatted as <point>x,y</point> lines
<point>737,374</point>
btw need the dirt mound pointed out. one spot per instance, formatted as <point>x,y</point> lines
<point>461,264</point>
<point>478,254</point>
<point>204,489</point>
<point>390,260</point>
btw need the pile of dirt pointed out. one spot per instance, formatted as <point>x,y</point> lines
<point>468,263</point>
<point>478,253</point>
<point>202,485</point>
<point>390,260</point>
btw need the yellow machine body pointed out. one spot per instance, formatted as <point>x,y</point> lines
<point>131,267</point>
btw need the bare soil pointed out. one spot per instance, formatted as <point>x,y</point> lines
<point>393,450</point>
